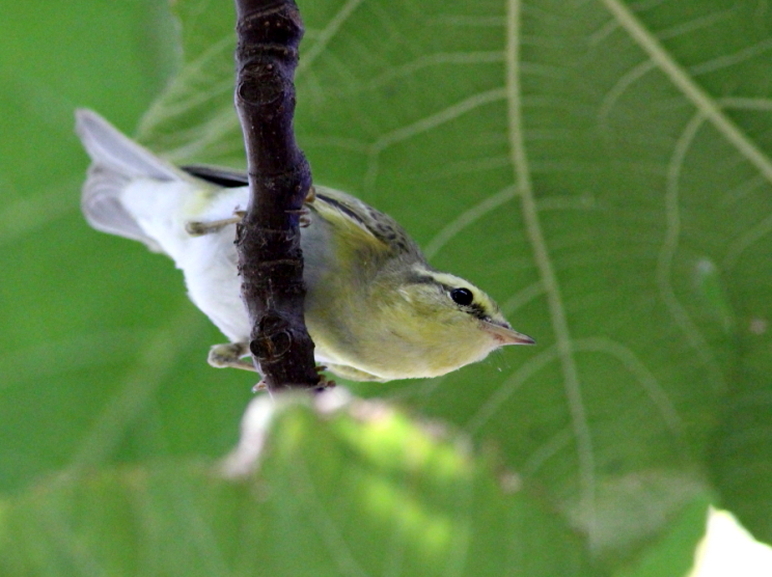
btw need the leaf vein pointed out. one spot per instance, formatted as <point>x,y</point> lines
<point>549,279</point>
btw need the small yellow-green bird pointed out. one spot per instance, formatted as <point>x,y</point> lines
<point>375,309</point>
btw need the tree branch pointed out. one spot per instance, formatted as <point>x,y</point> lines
<point>268,238</point>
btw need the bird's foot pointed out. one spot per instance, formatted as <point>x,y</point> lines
<point>230,356</point>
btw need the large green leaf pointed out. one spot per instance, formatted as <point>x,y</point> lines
<point>619,156</point>
<point>388,498</point>
<point>601,168</point>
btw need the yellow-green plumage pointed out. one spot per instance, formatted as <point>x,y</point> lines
<point>381,307</point>
<point>374,307</point>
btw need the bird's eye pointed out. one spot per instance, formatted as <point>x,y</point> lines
<point>462,296</point>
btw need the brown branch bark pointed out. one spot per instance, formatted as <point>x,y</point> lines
<point>268,238</point>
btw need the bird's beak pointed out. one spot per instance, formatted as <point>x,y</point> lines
<point>505,335</point>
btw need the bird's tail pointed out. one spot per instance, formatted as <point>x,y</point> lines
<point>116,162</point>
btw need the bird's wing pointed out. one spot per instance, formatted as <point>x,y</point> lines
<point>378,230</point>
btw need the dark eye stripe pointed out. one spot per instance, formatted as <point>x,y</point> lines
<point>474,309</point>
<point>418,278</point>
<point>477,311</point>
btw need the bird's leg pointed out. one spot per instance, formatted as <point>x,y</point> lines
<point>200,228</point>
<point>229,356</point>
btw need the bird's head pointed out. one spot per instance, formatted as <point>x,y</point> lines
<point>444,322</point>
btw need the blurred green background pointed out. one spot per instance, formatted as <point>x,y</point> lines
<point>102,352</point>
<point>600,168</point>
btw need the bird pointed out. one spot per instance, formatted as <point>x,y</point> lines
<point>374,307</point>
